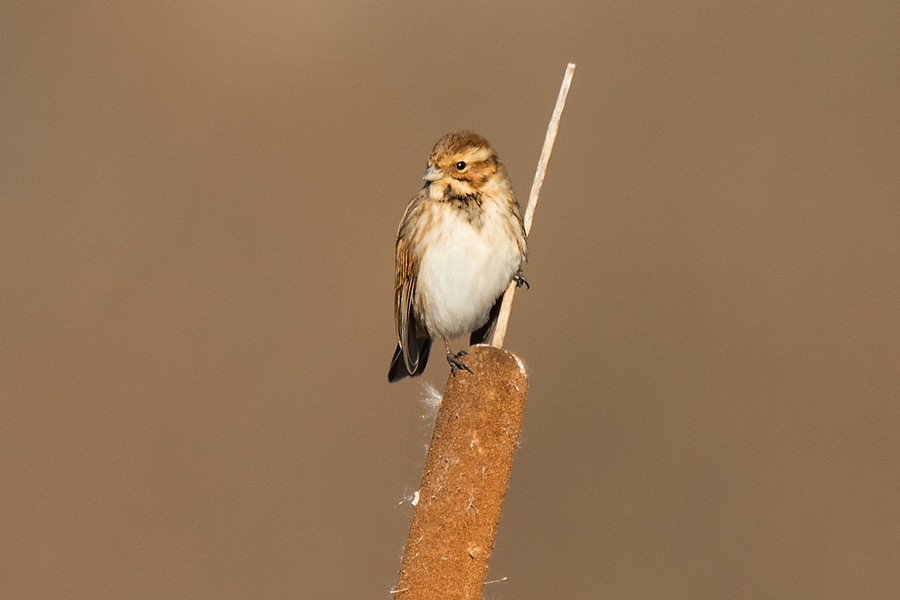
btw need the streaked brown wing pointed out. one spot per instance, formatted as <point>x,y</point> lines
<point>404,293</point>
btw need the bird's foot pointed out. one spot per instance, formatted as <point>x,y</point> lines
<point>520,280</point>
<point>456,362</point>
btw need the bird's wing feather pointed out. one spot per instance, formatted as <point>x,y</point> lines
<point>404,294</point>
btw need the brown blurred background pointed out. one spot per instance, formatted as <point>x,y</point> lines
<point>198,203</point>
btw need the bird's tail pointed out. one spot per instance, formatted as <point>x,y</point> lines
<point>398,369</point>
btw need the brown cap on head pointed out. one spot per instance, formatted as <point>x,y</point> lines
<point>461,142</point>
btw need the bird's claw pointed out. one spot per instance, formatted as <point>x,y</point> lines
<point>456,362</point>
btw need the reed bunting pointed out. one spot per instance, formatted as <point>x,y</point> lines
<point>461,242</point>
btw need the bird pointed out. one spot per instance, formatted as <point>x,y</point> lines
<point>460,243</point>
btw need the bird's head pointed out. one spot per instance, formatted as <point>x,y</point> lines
<point>463,161</point>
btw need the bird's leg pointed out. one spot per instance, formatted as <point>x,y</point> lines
<point>455,361</point>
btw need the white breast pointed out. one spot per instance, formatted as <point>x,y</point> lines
<point>462,270</point>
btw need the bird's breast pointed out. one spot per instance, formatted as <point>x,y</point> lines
<point>464,265</point>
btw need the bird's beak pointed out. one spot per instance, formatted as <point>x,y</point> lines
<point>432,173</point>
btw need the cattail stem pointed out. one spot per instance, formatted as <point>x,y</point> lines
<point>506,306</point>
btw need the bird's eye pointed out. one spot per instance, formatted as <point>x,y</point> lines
<point>461,165</point>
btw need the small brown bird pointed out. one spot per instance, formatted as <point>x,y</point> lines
<point>461,242</point>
